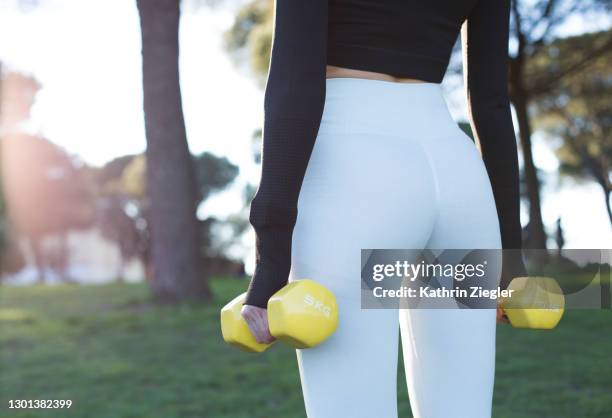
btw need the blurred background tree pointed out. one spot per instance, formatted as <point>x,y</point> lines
<point>11,257</point>
<point>252,33</point>
<point>121,187</point>
<point>48,196</point>
<point>178,270</point>
<point>534,26</point>
<point>45,192</point>
<point>50,193</point>
<point>124,207</point>
<point>577,109</point>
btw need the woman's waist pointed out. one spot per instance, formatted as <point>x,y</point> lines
<point>333,71</point>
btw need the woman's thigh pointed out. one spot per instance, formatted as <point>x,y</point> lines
<point>360,191</point>
<point>449,354</point>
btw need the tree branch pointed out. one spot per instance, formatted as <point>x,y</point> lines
<point>520,36</point>
<point>547,82</point>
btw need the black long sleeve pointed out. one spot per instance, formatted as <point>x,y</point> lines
<point>293,105</point>
<point>485,48</point>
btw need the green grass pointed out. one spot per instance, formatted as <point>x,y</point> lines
<point>116,354</point>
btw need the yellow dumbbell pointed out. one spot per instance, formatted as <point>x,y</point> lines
<point>303,314</point>
<point>537,302</point>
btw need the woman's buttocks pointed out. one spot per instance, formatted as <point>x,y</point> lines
<point>360,190</point>
<point>371,181</point>
<point>368,184</point>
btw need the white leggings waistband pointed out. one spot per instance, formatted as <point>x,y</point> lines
<point>368,105</point>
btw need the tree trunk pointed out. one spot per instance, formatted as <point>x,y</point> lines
<point>39,258</point>
<point>606,192</point>
<point>63,259</point>
<point>536,236</point>
<point>171,187</point>
<point>607,197</point>
<point>120,270</point>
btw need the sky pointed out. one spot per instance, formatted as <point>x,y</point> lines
<point>86,54</point>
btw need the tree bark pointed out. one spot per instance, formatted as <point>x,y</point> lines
<point>536,234</point>
<point>536,238</point>
<point>607,197</point>
<point>171,187</point>
<point>39,258</point>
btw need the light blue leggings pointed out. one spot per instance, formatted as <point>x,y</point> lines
<point>391,169</point>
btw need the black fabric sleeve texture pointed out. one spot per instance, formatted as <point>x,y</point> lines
<point>293,106</point>
<point>485,59</point>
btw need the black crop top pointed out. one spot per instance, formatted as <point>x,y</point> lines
<point>404,38</point>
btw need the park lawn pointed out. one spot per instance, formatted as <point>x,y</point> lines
<point>116,354</point>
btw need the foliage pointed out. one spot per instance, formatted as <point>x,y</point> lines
<point>46,190</point>
<point>133,178</point>
<point>48,194</point>
<point>252,30</point>
<point>123,206</point>
<point>578,109</point>
<point>213,174</point>
<point>112,171</point>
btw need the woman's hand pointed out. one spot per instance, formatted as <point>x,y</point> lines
<point>501,316</point>
<point>257,320</point>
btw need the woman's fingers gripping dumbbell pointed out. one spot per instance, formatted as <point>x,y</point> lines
<point>257,320</point>
<point>501,316</point>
